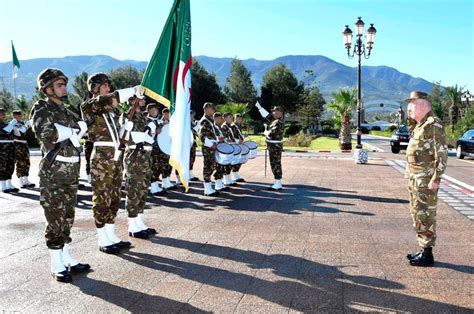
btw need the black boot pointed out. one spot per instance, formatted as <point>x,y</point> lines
<point>151,231</point>
<point>424,259</point>
<point>415,254</point>
<point>79,268</point>
<point>143,234</point>
<point>123,244</point>
<point>63,276</point>
<point>110,249</point>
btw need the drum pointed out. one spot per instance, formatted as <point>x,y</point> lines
<point>224,154</point>
<point>253,147</point>
<point>244,154</point>
<point>164,139</point>
<point>237,151</point>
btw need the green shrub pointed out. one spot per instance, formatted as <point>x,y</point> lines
<point>328,129</point>
<point>392,128</point>
<point>299,140</point>
<point>292,128</point>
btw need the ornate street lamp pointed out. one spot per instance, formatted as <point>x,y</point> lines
<point>360,156</point>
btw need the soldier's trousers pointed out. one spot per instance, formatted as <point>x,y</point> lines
<point>423,203</point>
<point>209,163</point>
<point>7,160</point>
<point>236,168</point>
<point>88,148</point>
<point>22,157</point>
<point>274,152</point>
<point>155,165</point>
<point>106,185</point>
<point>137,168</point>
<point>192,156</point>
<point>58,197</point>
<point>227,169</point>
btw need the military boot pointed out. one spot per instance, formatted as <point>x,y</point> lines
<point>414,254</point>
<point>424,259</point>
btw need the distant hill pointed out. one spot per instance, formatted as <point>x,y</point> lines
<point>378,82</point>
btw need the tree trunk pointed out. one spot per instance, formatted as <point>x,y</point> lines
<point>345,138</point>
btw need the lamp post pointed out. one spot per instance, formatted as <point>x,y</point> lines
<point>360,156</point>
<point>467,98</point>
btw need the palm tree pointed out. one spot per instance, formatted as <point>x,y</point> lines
<point>342,104</point>
<point>453,99</point>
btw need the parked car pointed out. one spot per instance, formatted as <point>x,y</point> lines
<point>465,145</point>
<point>400,139</point>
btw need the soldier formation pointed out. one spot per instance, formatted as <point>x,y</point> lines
<point>133,145</point>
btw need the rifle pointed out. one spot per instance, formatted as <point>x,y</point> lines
<point>53,153</point>
<point>131,113</point>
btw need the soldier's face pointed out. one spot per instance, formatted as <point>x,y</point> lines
<point>153,112</point>
<point>104,89</point>
<point>17,117</point>
<point>229,120</point>
<point>210,111</point>
<point>416,110</point>
<point>218,120</point>
<point>59,89</point>
<point>2,116</point>
<point>238,120</point>
<point>277,114</point>
<point>166,116</point>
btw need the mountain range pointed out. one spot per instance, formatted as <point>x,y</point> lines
<point>378,82</point>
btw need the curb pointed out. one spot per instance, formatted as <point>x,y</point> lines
<point>323,151</point>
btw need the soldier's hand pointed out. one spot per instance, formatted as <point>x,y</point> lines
<point>213,147</point>
<point>433,186</point>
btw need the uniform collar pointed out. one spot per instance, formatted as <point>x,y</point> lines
<point>428,114</point>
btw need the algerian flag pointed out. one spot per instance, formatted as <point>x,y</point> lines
<point>167,79</point>
<point>16,63</point>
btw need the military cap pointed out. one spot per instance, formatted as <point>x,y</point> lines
<point>416,95</point>
<point>48,76</point>
<point>277,108</point>
<point>165,110</point>
<point>95,80</point>
<point>226,114</point>
<point>217,114</point>
<point>17,112</point>
<point>208,105</point>
<point>151,105</point>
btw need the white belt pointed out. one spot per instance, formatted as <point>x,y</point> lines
<point>72,160</point>
<point>147,147</point>
<point>20,141</point>
<point>273,141</point>
<point>6,141</point>
<point>104,144</point>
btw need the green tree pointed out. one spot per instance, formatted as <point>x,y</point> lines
<point>6,100</point>
<point>204,88</point>
<point>436,97</point>
<point>80,85</point>
<point>281,88</point>
<point>22,104</point>
<point>311,107</point>
<point>342,104</point>
<point>239,87</point>
<point>124,77</point>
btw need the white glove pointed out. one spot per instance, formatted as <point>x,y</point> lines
<point>126,93</point>
<point>208,142</point>
<point>29,123</point>
<point>64,132</point>
<point>75,139</point>
<point>263,112</point>
<point>140,137</point>
<point>152,127</point>
<point>83,130</point>
<point>266,133</point>
<point>10,126</point>
<point>16,131</point>
<point>138,91</point>
<point>258,105</point>
<point>196,127</point>
<point>128,125</point>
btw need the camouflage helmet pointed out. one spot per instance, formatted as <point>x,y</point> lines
<point>95,80</point>
<point>48,76</point>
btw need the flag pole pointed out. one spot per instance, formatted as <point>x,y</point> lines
<point>14,79</point>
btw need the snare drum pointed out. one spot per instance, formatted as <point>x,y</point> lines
<point>237,151</point>
<point>244,154</point>
<point>224,154</point>
<point>253,147</point>
<point>164,139</point>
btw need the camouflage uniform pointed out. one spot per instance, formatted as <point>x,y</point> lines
<point>220,169</point>
<point>274,139</point>
<point>192,155</point>
<point>156,169</point>
<point>137,168</point>
<point>88,148</point>
<point>59,180</point>
<point>7,153</point>
<point>229,136</point>
<point>208,131</point>
<point>106,159</point>
<point>22,152</point>
<point>427,155</point>
<point>238,136</point>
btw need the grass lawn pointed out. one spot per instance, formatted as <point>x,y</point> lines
<point>386,133</point>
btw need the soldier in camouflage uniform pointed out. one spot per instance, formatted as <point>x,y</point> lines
<point>7,154</point>
<point>230,138</point>
<point>192,156</point>
<point>22,152</point>
<point>427,156</point>
<point>58,131</point>
<point>220,169</point>
<point>137,166</point>
<point>239,136</point>
<point>106,158</point>
<point>207,134</point>
<point>274,139</point>
<point>156,168</point>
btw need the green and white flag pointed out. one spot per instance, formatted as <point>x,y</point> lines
<point>16,63</point>
<point>167,79</point>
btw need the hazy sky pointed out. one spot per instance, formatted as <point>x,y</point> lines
<point>429,39</point>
